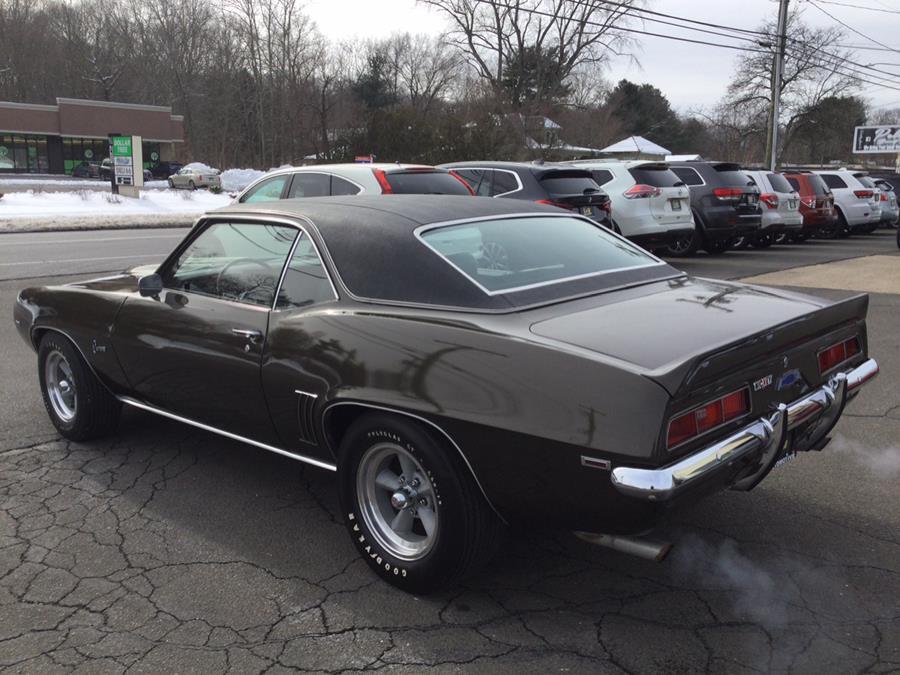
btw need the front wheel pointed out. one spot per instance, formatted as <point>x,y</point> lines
<point>192,185</point>
<point>717,246</point>
<point>79,405</point>
<point>412,507</point>
<point>171,183</point>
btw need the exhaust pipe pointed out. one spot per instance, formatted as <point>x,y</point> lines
<point>648,549</point>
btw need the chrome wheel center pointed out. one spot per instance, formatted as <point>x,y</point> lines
<point>60,387</point>
<point>396,500</point>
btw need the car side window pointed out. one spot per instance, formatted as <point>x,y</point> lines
<point>478,179</point>
<point>308,184</point>
<point>688,175</point>
<point>833,181</point>
<point>305,281</point>
<point>241,262</point>
<point>602,176</point>
<point>267,191</point>
<point>504,181</point>
<point>341,187</point>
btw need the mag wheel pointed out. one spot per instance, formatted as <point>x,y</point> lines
<point>684,246</point>
<point>412,507</point>
<point>78,404</point>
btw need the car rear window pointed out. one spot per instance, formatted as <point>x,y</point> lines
<point>779,183</point>
<point>832,181</point>
<point>731,175</point>
<point>426,183</point>
<point>689,175</point>
<point>865,180</point>
<point>655,175</point>
<point>567,183</point>
<point>504,255</point>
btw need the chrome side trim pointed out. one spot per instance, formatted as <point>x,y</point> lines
<point>305,393</point>
<point>449,438</point>
<point>227,434</point>
<point>766,438</point>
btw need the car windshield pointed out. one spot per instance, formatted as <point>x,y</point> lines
<point>510,254</point>
<point>425,183</point>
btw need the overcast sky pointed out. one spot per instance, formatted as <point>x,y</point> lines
<point>691,76</point>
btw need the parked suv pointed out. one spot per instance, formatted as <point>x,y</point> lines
<point>650,204</point>
<point>858,208</point>
<point>560,185</point>
<point>890,209</point>
<point>780,205</point>
<point>327,180</point>
<point>724,203</point>
<point>816,204</point>
<point>165,169</point>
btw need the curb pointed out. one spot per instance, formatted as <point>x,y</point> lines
<point>10,227</point>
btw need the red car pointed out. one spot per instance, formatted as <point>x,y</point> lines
<point>816,203</point>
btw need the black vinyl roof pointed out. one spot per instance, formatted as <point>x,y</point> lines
<point>372,243</point>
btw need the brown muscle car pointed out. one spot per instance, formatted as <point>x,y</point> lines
<point>461,364</point>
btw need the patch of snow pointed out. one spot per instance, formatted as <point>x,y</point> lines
<point>60,205</point>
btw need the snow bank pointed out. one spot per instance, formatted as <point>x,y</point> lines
<point>60,205</point>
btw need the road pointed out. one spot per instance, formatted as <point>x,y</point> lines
<point>166,549</point>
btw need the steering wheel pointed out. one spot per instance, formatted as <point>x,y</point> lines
<point>267,281</point>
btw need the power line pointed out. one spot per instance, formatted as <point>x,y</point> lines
<point>849,27</point>
<point>623,29</point>
<point>871,9</point>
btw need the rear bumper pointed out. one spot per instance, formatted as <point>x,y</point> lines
<point>745,458</point>
<point>661,238</point>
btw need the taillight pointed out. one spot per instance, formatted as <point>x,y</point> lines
<point>769,199</point>
<point>463,181</point>
<point>381,177</point>
<point>884,197</point>
<point>550,202</point>
<point>606,206</point>
<point>833,356</point>
<point>863,194</point>
<point>641,191</point>
<point>707,417</point>
<point>728,193</point>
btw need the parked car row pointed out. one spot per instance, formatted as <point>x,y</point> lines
<point>673,208</point>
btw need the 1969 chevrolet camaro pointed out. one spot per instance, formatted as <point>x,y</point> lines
<point>461,363</point>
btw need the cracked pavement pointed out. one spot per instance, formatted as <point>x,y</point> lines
<point>167,549</point>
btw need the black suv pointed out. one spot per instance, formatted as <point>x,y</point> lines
<point>557,184</point>
<point>165,169</point>
<point>725,204</point>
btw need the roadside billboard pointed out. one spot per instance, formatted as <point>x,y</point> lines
<point>874,140</point>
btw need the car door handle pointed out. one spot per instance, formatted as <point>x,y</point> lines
<point>252,335</point>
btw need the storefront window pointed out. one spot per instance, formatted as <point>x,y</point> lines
<point>78,150</point>
<point>23,154</point>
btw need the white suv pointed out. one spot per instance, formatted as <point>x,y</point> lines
<point>858,206</point>
<point>650,204</point>
<point>781,215</point>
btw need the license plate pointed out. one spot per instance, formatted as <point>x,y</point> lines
<point>676,204</point>
<point>587,211</point>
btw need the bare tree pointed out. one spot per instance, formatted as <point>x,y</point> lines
<point>496,35</point>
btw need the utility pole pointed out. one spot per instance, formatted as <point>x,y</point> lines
<point>778,67</point>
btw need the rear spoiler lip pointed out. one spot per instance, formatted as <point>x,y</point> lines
<point>677,375</point>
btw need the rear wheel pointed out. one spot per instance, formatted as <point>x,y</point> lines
<point>781,238</point>
<point>763,241</point>
<point>684,246</point>
<point>717,247</point>
<point>843,227</point>
<point>79,405</point>
<point>739,243</point>
<point>868,229</point>
<point>191,185</point>
<point>412,507</point>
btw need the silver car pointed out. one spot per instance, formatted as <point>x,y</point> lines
<point>340,180</point>
<point>781,215</point>
<point>890,207</point>
<point>193,177</point>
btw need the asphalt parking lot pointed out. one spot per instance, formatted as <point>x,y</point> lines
<point>166,549</point>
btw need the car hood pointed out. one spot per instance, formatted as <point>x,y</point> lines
<point>669,332</point>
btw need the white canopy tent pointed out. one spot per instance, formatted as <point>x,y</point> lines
<point>636,146</point>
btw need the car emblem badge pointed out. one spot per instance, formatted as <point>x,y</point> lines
<point>762,383</point>
<point>789,378</point>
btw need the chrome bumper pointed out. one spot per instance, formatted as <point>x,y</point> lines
<point>764,440</point>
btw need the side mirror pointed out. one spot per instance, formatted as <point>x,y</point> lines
<point>150,285</point>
